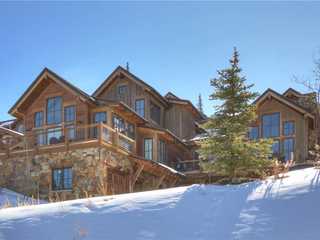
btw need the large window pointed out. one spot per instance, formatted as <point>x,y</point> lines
<point>70,114</point>
<point>271,125</point>
<point>54,110</point>
<point>38,119</point>
<point>288,128</point>
<point>155,112</point>
<point>147,148</point>
<point>54,135</point>
<point>288,148</point>
<point>253,133</point>
<point>62,179</point>
<point>139,107</point>
<point>162,154</point>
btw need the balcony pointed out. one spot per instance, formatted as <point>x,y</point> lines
<point>188,166</point>
<point>67,136</point>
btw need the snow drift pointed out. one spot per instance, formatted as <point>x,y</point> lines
<point>273,209</point>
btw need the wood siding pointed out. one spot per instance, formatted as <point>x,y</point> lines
<point>302,128</point>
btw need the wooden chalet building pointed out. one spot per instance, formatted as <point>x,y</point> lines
<point>125,137</point>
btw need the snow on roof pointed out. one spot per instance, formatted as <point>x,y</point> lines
<point>271,209</point>
<point>7,123</point>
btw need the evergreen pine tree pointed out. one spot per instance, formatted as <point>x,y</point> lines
<point>200,107</point>
<point>234,156</point>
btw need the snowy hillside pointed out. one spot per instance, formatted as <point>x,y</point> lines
<point>281,209</point>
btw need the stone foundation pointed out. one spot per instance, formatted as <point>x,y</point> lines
<point>32,174</point>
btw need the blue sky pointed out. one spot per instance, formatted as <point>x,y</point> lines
<point>173,46</point>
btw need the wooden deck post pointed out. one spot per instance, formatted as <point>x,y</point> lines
<point>160,181</point>
<point>135,177</point>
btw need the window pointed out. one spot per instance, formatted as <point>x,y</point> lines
<point>118,123</point>
<point>54,135</point>
<point>147,148</point>
<point>276,147</point>
<point>288,149</point>
<point>162,155</point>
<point>38,119</point>
<point>155,112</point>
<point>122,91</point>
<point>71,132</point>
<point>54,109</point>
<point>288,128</point>
<point>100,117</point>
<point>41,138</point>
<point>131,131</point>
<point>62,179</point>
<point>253,133</point>
<point>139,107</point>
<point>70,114</point>
<point>271,125</point>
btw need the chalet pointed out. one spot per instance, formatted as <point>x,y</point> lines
<point>124,137</point>
<point>290,120</point>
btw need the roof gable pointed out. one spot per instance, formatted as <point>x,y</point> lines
<point>118,71</point>
<point>271,93</point>
<point>40,83</point>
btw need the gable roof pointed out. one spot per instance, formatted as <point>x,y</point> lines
<point>293,91</point>
<point>121,70</point>
<point>269,92</point>
<point>171,98</point>
<point>55,77</point>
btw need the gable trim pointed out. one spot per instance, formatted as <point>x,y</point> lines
<point>44,74</point>
<point>269,92</point>
<point>106,83</point>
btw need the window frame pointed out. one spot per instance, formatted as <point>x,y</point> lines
<point>279,147</point>
<point>122,95</point>
<point>62,186</point>
<point>155,106</point>
<point>137,108</point>
<point>35,119</point>
<point>283,147</point>
<point>65,108</point>
<point>162,151</point>
<point>150,151</point>
<point>284,128</point>
<point>53,119</point>
<point>263,127</point>
<point>249,133</point>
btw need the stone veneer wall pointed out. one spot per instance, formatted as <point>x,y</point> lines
<point>32,174</point>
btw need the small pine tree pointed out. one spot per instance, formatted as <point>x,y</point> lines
<point>234,156</point>
<point>200,107</point>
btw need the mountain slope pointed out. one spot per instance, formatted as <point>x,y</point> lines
<point>272,209</point>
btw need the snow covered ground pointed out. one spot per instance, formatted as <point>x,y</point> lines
<point>273,209</point>
<point>14,199</point>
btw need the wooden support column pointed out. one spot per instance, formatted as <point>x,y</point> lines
<point>135,177</point>
<point>155,147</point>
<point>174,182</point>
<point>160,181</point>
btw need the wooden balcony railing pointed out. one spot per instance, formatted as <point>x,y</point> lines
<point>73,134</point>
<point>188,166</point>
